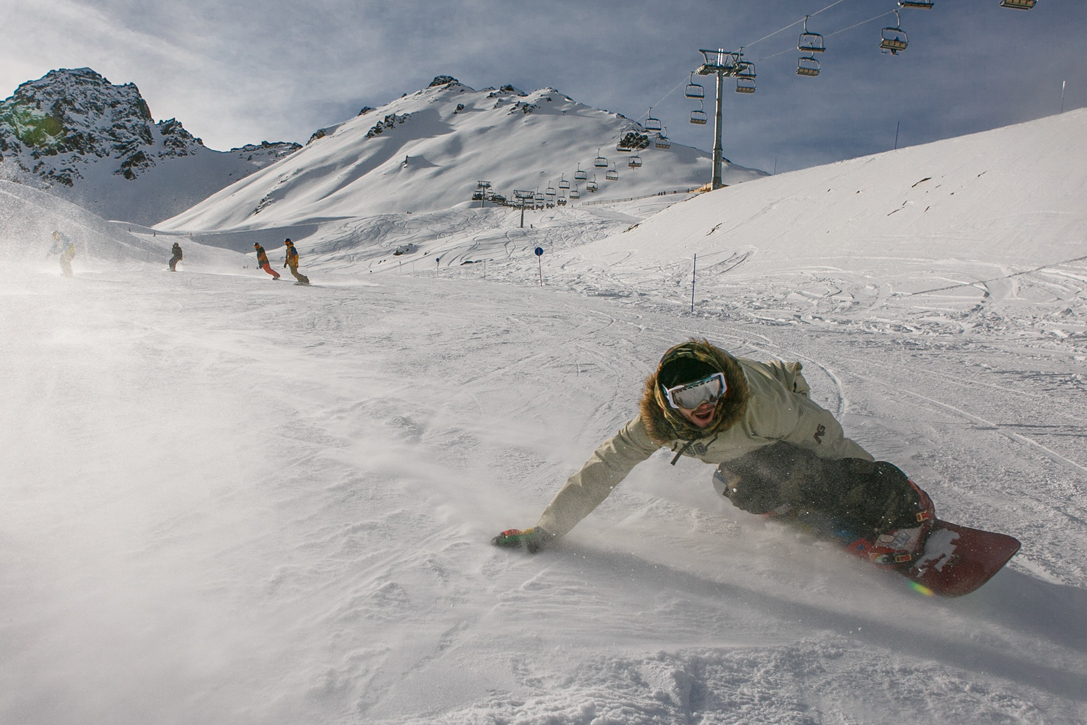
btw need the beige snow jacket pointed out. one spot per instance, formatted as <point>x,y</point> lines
<point>765,403</point>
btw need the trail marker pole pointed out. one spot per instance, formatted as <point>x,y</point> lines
<point>694,270</point>
<point>539,258</point>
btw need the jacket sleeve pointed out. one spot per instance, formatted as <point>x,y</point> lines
<point>605,469</point>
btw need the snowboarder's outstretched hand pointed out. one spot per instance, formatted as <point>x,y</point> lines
<point>531,540</point>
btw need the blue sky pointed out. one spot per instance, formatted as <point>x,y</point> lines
<point>243,71</point>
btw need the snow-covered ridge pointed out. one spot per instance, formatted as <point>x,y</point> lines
<point>427,151</point>
<point>82,138</point>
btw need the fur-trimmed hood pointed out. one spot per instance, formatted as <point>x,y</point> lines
<point>665,425</point>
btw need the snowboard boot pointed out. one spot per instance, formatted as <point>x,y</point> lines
<point>901,547</point>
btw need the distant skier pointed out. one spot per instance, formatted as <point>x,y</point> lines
<point>176,258</point>
<point>291,260</point>
<point>63,246</point>
<point>262,261</point>
<point>777,453</point>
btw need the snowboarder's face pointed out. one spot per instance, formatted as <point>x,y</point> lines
<point>701,416</point>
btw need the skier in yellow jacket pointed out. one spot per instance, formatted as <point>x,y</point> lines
<point>291,260</point>
<point>63,246</point>
<point>777,453</point>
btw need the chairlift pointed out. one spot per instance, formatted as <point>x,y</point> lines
<point>591,186</point>
<point>807,65</point>
<point>662,141</point>
<point>612,175</point>
<point>600,162</point>
<point>694,90</point>
<point>575,194</point>
<point>652,124</point>
<point>1017,4</point>
<point>622,148</point>
<point>635,161</point>
<point>894,39</point>
<point>550,190</point>
<point>563,183</point>
<point>810,42</point>
<point>698,115</point>
<point>580,175</point>
<point>917,4</point>
<point>745,85</point>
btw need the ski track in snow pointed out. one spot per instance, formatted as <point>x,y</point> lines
<point>233,500</point>
<point>305,537</point>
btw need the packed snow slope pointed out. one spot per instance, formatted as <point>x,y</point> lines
<point>233,500</point>
<point>429,150</point>
<point>29,217</point>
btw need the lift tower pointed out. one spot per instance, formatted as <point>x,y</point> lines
<point>723,64</point>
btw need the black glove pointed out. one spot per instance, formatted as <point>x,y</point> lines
<point>531,540</point>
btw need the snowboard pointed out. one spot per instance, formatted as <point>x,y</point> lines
<point>957,559</point>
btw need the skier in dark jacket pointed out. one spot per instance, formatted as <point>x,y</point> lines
<point>777,453</point>
<point>262,261</point>
<point>291,260</point>
<point>176,258</point>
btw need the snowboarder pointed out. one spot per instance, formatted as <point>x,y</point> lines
<point>262,261</point>
<point>63,246</point>
<point>777,453</point>
<point>176,258</point>
<point>291,260</point>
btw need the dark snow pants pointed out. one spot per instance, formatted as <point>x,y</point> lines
<point>869,496</point>
<point>303,279</point>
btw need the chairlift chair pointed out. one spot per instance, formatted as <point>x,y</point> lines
<point>917,4</point>
<point>1017,4</point>
<point>591,186</point>
<point>810,42</point>
<point>652,124</point>
<point>694,90</point>
<point>635,161</point>
<point>698,117</point>
<point>563,183</point>
<point>550,190</point>
<point>893,40</point>
<point>622,147</point>
<point>600,162</point>
<point>612,175</point>
<point>575,194</point>
<point>745,78</point>
<point>662,141</point>
<point>807,66</point>
<point>580,175</point>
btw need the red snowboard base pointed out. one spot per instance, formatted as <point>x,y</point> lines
<point>958,559</point>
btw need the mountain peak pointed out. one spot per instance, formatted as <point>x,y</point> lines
<point>74,133</point>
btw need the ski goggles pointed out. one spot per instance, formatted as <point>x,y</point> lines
<point>691,395</point>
